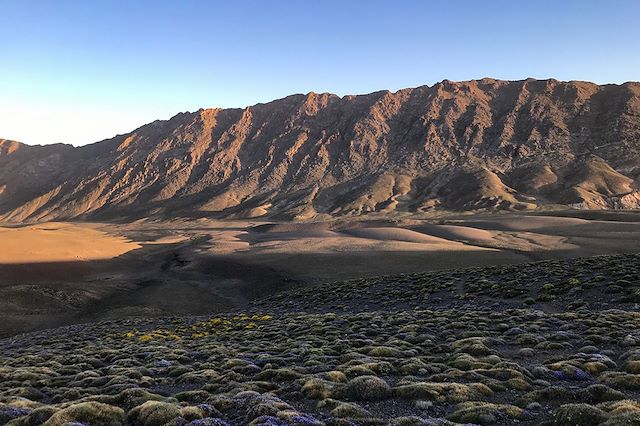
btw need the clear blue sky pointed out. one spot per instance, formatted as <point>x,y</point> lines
<point>80,71</point>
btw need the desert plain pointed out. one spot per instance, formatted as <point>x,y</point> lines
<point>59,273</point>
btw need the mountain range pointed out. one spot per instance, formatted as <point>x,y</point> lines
<point>475,145</point>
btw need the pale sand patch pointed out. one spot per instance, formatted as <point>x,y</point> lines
<point>59,242</point>
<point>227,241</point>
<point>293,227</point>
<point>388,233</point>
<point>511,240</point>
<point>456,232</point>
<point>530,242</point>
<point>348,245</point>
<point>524,223</point>
<point>380,239</point>
<point>169,239</point>
<point>256,237</point>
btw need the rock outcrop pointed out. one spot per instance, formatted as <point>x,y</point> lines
<point>482,144</point>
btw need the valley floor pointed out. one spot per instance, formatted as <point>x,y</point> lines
<point>63,273</point>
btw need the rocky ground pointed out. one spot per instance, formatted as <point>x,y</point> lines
<point>554,342</point>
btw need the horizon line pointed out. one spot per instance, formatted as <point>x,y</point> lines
<point>319,93</point>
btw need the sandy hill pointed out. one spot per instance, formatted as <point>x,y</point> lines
<point>481,144</point>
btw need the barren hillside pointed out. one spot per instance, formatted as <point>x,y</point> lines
<point>484,144</point>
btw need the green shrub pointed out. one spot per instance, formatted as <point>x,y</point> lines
<point>34,418</point>
<point>624,419</point>
<point>407,421</point>
<point>579,415</point>
<point>153,413</point>
<point>384,352</point>
<point>350,411</point>
<point>443,392</point>
<point>618,379</point>
<point>93,413</point>
<point>366,388</point>
<point>318,388</point>
<point>484,413</point>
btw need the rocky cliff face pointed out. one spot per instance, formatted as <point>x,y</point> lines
<point>483,144</point>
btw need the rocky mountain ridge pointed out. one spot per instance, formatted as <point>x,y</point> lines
<point>480,144</point>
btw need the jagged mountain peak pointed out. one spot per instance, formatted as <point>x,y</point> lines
<point>478,144</point>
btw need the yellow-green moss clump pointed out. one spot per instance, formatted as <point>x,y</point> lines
<point>92,413</point>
